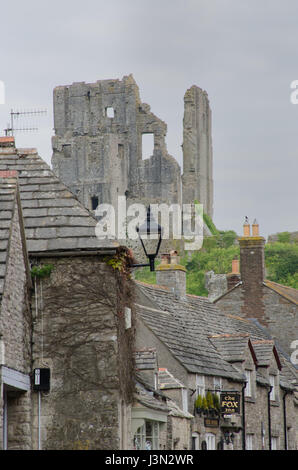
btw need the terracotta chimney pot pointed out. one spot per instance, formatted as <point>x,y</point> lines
<point>255,229</point>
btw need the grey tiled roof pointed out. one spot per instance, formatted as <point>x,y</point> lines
<point>147,396</point>
<point>188,329</point>
<point>264,351</point>
<point>167,381</point>
<point>145,359</point>
<point>53,217</point>
<point>7,203</point>
<point>178,327</point>
<point>233,347</point>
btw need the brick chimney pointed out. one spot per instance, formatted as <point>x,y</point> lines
<point>172,274</point>
<point>234,278</point>
<point>252,270</point>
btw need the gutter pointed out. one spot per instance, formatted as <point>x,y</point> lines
<point>285,419</point>
<point>243,418</point>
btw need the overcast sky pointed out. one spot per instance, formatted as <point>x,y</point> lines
<point>244,54</point>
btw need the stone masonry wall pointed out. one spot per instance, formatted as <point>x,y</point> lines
<point>76,335</point>
<point>15,328</point>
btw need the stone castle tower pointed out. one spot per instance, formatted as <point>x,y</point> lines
<point>97,147</point>
<point>197,179</point>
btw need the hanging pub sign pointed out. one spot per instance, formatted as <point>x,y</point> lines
<point>230,403</point>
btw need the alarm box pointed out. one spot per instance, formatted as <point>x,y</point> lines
<point>41,379</point>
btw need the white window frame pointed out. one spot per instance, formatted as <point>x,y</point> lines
<point>200,384</point>
<point>217,385</point>
<point>249,442</point>
<point>210,441</point>
<point>273,392</point>
<point>196,440</point>
<point>143,439</point>
<point>274,443</point>
<point>248,388</point>
<point>184,399</point>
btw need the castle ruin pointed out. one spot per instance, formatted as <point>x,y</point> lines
<point>97,146</point>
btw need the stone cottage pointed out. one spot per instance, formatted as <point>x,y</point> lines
<point>203,353</point>
<point>246,291</point>
<point>67,367</point>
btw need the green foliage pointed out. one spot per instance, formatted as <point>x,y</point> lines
<point>282,263</point>
<point>210,257</point>
<point>209,399</point>
<point>145,275</point>
<point>204,403</point>
<point>216,401</point>
<point>199,401</point>
<point>42,271</point>
<point>284,237</point>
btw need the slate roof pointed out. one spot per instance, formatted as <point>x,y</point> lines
<point>288,292</point>
<point>264,350</point>
<point>177,326</point>
<point>147,396</point>
<point>233,347</point>
<point>145,359</point>
<point>189,329</point>
<point>167,381</point>
<point>54,219</point>
<point>8,188</point>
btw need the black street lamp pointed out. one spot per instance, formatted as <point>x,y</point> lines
<point>145,231</point>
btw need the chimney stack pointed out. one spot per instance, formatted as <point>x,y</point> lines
<point>172,274</point>
<point>233,278</point>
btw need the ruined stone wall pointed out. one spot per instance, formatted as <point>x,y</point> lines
<point>197,179</point>
<point>77,335</point>
<point>100,154</point>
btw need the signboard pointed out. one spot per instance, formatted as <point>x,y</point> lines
<point>230,403</point>
<point>211,422</point>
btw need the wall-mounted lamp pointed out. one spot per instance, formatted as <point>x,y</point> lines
<point>145,231</point>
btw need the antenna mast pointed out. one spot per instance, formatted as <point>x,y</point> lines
<point>10,130</point>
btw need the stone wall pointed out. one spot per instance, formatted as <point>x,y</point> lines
<point>15,329</point>
<point>77,335</point>
<point>197,179</point>
<point>98,155</point>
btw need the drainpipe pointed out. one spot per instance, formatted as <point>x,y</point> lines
<point>285,419</point>
<point>269,418</point>
<point>243,419</point>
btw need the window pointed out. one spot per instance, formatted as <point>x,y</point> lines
<point>94,203</point>
<point>217,384</point>
<point>249,442</point>
<point>147,436</point>
<point>147,145</point>
<point>273,393</point>
<point>110,113</point>
<point>120,151</point>
<point>248,390</point>
<point>195,441</point>
<point>184,399</point>
<point>200,379</point>
<point>210,441</point>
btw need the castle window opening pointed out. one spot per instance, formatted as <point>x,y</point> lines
<point>94,202</point>
<point>110,112</point>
